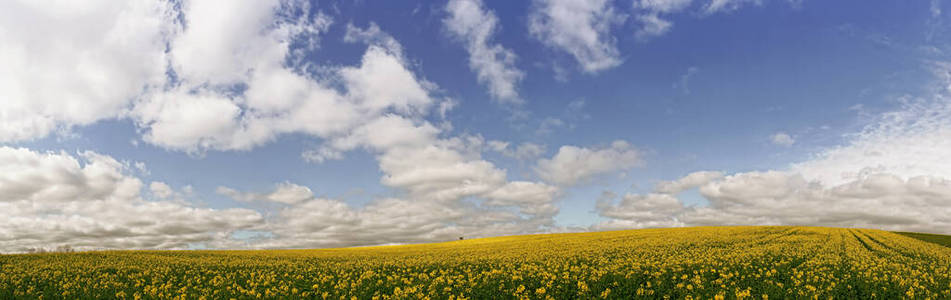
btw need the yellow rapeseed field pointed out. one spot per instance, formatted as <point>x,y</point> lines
<point>684,263</point>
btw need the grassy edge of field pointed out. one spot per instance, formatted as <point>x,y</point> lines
<point>940,239</point>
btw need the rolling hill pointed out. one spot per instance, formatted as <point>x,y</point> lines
<point>681,263</point>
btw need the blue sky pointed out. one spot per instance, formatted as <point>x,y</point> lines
<point>220,104</point>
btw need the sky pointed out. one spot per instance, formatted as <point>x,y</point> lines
<point>293,124</point>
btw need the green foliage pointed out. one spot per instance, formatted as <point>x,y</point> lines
<point>940,239</point>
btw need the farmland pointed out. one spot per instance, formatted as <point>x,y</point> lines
<point>683,263</point>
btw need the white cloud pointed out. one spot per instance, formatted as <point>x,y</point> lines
<point>523,152</point>
<point>189,120</point>
<point>652,16</point>
<point>89,201</point>
<point>161,190</point>
<point>781,198</point>
<point>373,35</point>
<point>537,196</point>
<point>378,106</point>
<point>279,98</point>
<point>472,24</point>
<point>579,28</point>
<point>782,139</point>
<point>321,154</point>
<point>651,26</point>
<point>498,146</point>
<point>290,193</point>
<point>690,181</point>
<point>912,141</point>
<point>284,193</point>
<point>893,174</point>
<point>78,62</point>
<point>648,15</point>
<point>575,164</point>
<point>641,211</point>
<point>447,190</point>
<point>382,82</point>
<point>716,6</point>
<point>220,40</point>
<point>239,81</point>
<point>319,222</point>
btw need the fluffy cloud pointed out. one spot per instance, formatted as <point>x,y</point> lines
<point>161,190</point>
<point>690,181</point>
<point>580,28</point>
<point>782,198</point>
<point>192,78</point>
<point>446,190</point>
<point>641,211</point>
<point>575,164</point>
<point>89,201</point>
<point>473,25</point>
<point>782,139</point>
<point>237,81</point>
<point>892,175</point>
<point>277,98</point>
<point>285,193</point>
<point>319,222</point>
<point>78,62</point>
<point>912,141</point>
<point>880,201</point>
<point>290,193</point>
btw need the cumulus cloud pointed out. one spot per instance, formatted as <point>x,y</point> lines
<point>378,106</point>
<point>320,222</point>
<point>893,174</point>
<point>640,211</point>
<point>473,25</point>
<point>278,98</point>
<point>572,164</point>
<point>285,193</point>
<point>911,141</point>
<point>446,190</point>
<point>783,198</point>
<point>581,29</point>
<point>78,63</point>
<point>88,201</point>
<point>161,190</point>
<point>690,181</point>
<point>782,139</point>
<point>195,79</point>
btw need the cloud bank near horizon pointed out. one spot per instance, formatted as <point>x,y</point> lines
<point>191,79</point>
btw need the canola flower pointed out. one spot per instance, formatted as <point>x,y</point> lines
<point>683,263</point>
